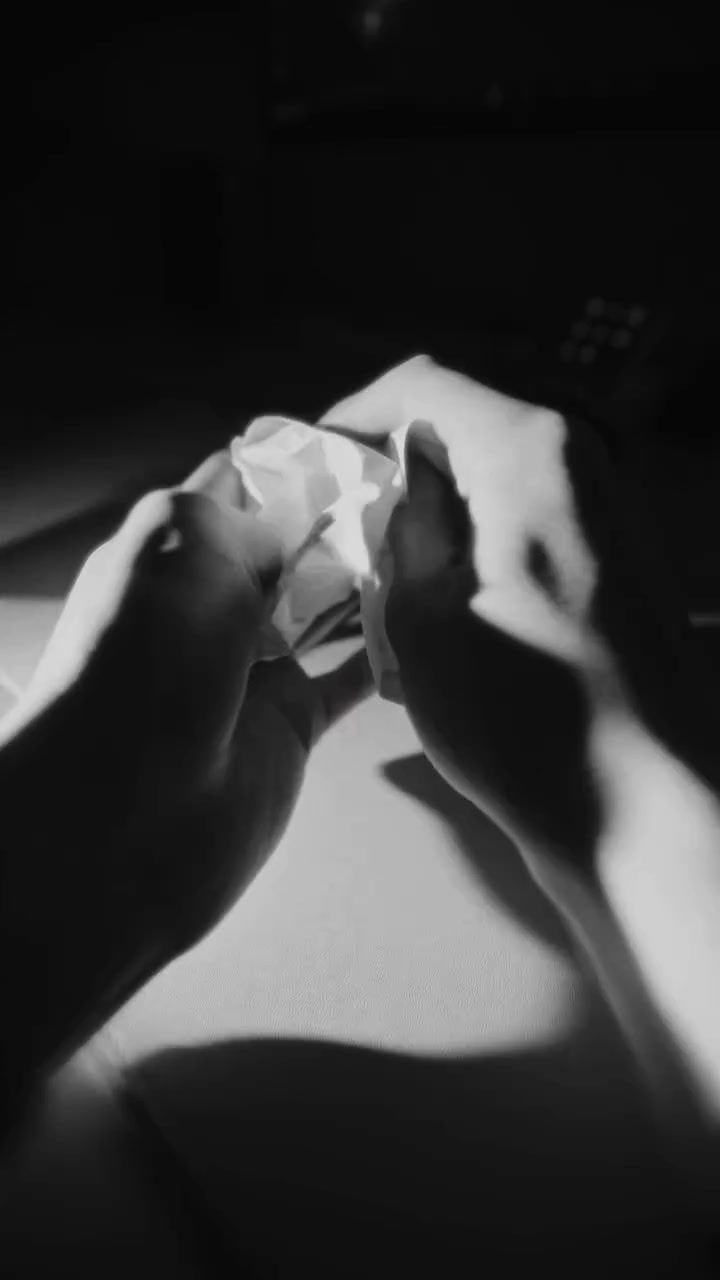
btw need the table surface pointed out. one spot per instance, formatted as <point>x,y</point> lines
<point>386,1055</point>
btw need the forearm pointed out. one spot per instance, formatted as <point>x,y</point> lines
<point>649,921</point>
<point>67,963</point>
<point>659,870</point>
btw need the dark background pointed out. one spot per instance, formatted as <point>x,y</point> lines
<point>212,214</point>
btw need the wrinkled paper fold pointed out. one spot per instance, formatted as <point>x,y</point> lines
<point>293,474</point>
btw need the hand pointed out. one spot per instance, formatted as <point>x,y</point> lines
<point>551,675</point>
<point>527,604</point>
<point>153,764</point>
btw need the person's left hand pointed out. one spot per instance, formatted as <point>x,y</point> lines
<point>154,762</point>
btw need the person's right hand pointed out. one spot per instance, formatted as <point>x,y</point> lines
<point>550,675</point>
<point>527,610</point>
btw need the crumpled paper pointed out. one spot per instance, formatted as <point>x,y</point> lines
<point>329,499</point>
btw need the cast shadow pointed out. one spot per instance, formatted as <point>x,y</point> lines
<point>498,865</point>
<point>324,1158</point>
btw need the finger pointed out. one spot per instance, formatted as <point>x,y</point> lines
<point>381,407</point>
<point>99,590</point>
<point>430,531</point>
<point>230,541</point>
<point>282,686</point>
<point>143,530</point>
<point>206,598</point>
<point>423,441</point>
<point>217,478</point>
<point>311,706</point>
<point>339,691</point>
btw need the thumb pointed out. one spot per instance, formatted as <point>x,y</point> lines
<point>430,532</point>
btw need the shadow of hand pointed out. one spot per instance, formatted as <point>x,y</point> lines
<point>325,1158</point>
<point>489,851</point>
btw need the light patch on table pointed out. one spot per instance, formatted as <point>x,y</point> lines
<point>367,926</point>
